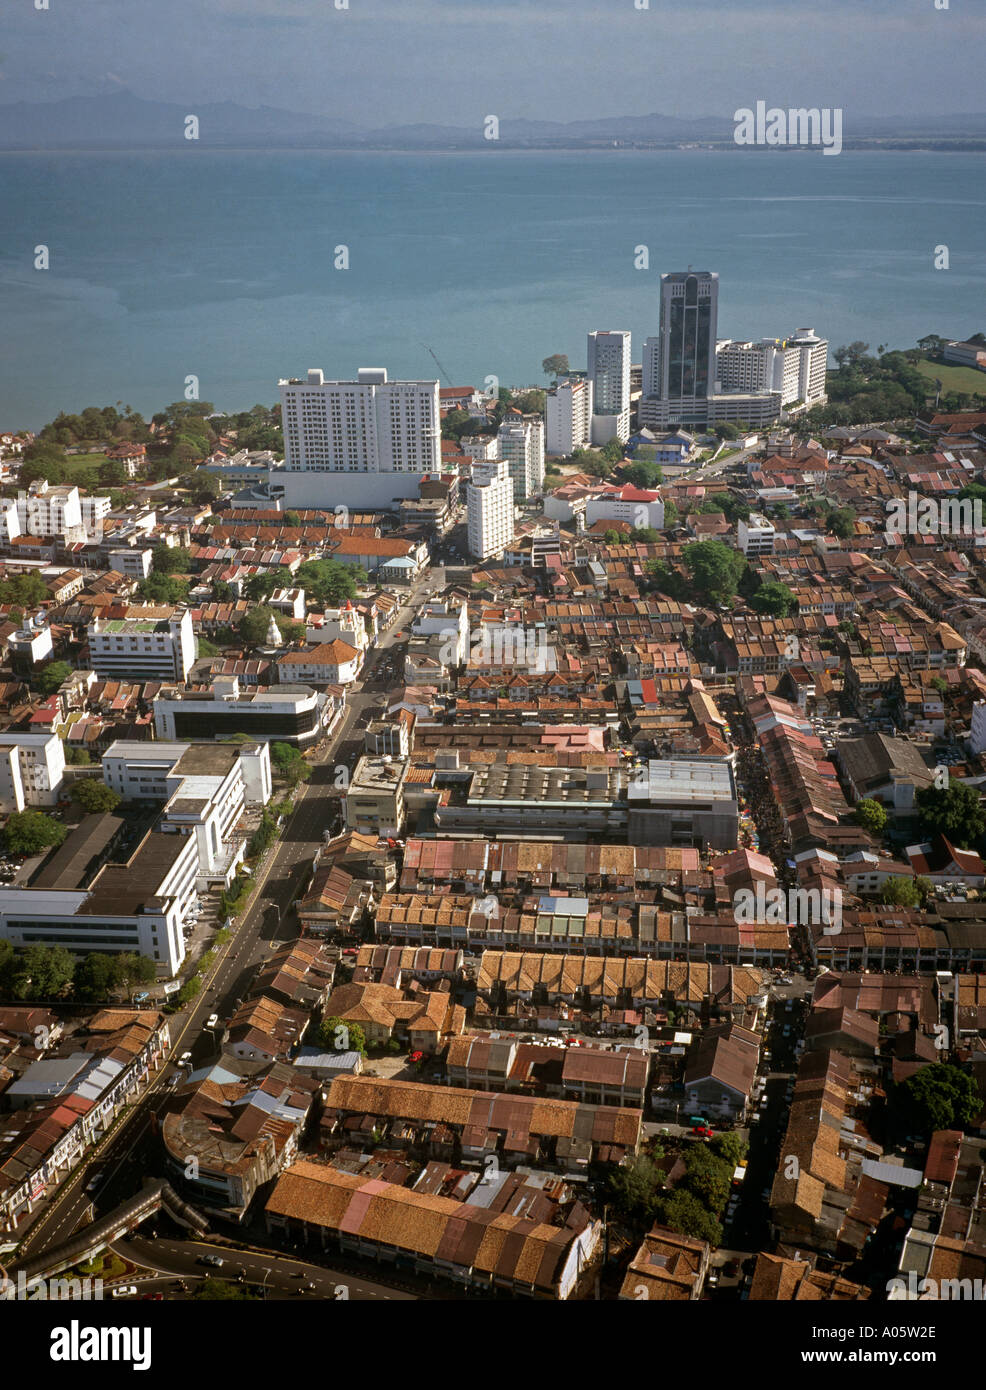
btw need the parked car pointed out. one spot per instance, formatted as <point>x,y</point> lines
<point>212,1020</point>
<point>125,1291</point>
<point>213,1261</point>
<point>185,1060</point>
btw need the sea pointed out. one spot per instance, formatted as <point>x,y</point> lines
<point>219,271</point>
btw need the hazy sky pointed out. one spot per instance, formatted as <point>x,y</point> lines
<point>453,61</point>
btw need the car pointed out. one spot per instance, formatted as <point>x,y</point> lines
<point>212,1021</point>
<point>94,1182</point>
<point>185,1060</point>
<point>124,1291</point>
<point>213,1261</point>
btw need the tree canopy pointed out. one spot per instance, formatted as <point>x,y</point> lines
<point>94,796</point>
<point>30,832</point>
<point>940,1096</point>
<point>955,811</point>
<point>715,569</point>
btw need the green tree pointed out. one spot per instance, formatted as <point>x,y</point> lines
<point>342,1036</point>
<point>871,815</point>
<point>77,757</point>
<point>261,586</point>
<point>93,796</point>
<point>645,535</point>
<point>254,626</point>
<point>204,487</point>
<point>327,582</point>
<point>30,832</point>
<point>133,969</point>
<point>905,892</point>
<point>112,473</point>
<point>95,978</point>
<point>51,677</point>
<point>292,519</point>
<point>289,763</point>
<point>666,579</point>
<point>940,1096</point>
<point>938,684</point>
<point>670,513</point>
<point>613,450</point>
<point>708,1176</point>
<point>163,588</point>
<point>955,812</point>
<point>556,365</point>
<point>774,599</point>
<point>643,474</point>
<point>611,537</point>
<point>715,569</point>
<point>635,1190</point>
<point>171,559</point>
<point>729,1146</point>
<point>45,972</point>
<point>684,1213</point>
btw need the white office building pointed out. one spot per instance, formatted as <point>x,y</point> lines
<point>520,442</point>
<point>638,507</point>
<point>32,769</point>
<point>140,906</point>
<point>150,643</point>
<point>755,535</point>
<point>489,509</point>
<point>294,714</point>
<point>608,372</point>
<point>205,787</point>
<point>569,416</point>
<point>361,443</point>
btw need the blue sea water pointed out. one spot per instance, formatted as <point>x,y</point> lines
<point>220,264</point>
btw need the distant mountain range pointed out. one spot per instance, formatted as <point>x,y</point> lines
<point>121,120</point>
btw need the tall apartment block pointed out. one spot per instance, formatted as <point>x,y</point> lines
<point>489,508</point>
<point>569,416</point>
<point>520,442</point>
<point>608,371</point>
<point>357,443</point>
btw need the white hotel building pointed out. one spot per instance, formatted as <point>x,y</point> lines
<point>794,367</point>
<point>489,509</point>
<point>569,416</point>
<point>361,443</point>
<point>608,371</point>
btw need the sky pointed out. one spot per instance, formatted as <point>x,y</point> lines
<point>380,62</point>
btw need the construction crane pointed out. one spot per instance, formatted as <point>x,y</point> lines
<point>441,369</point>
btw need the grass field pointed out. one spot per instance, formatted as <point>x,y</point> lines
<point>83,469</point>
<point>953,378</point>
